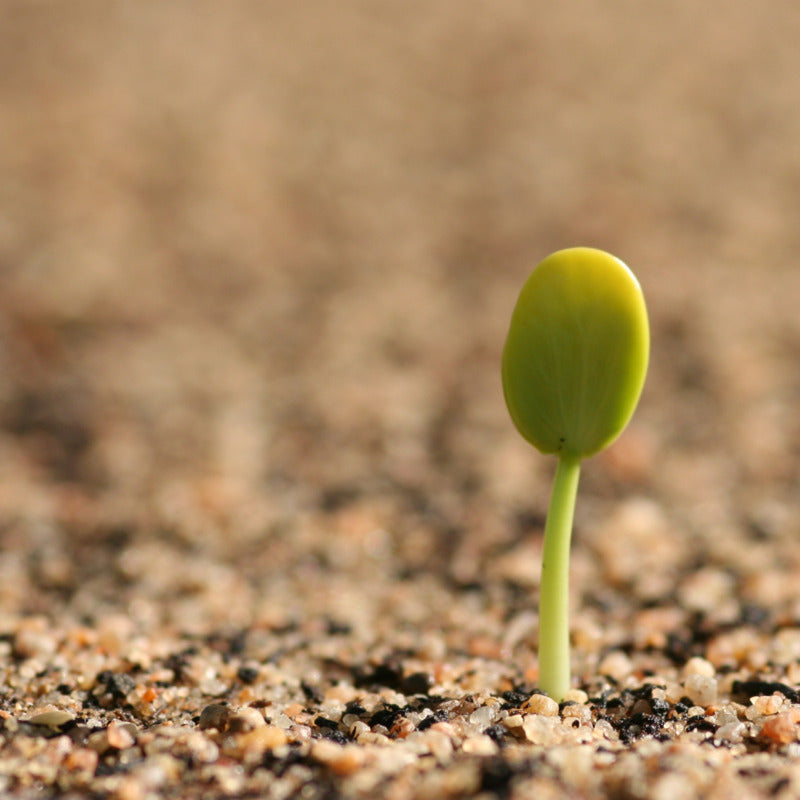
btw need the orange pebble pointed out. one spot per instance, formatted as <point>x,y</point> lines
<point>782,728</point>
<point>149,694</point>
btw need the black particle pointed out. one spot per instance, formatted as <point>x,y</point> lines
<point>247,674</point>
<point>700,724</point>
<point>496,733</point>
<point>496,774</point>
<point>386,716</point>
<point>117,684</point>
<point>753,688</point>
<point>417,683</point>
<point>312,694</point>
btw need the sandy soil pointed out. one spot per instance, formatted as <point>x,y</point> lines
<point>266,528</point>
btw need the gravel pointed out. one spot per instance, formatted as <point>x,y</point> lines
<point>266,529</point>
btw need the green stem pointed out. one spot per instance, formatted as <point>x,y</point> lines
<point>554,672</point>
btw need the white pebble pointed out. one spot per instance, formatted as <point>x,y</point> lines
<point>513,721</point>
<point>441,746</point>
<point>51,719</point>
<point>726,715</point>
<point>701,689</point>
<point>673,786</point>
<point>480,746</point>
<point>576,696</point>
<point>732,732</point>
<point>246,719</point>
<point>603,729</point>
<point>768,704</point>
<point>616,665</point>
<point>542,730</point>
<point>359,728</point>
<point>581,713</point>
<point>483,716</point>
<point>699,666</point>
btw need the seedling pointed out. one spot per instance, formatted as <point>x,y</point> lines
<point>574,364</point>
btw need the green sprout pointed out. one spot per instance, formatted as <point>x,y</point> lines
<point>574,365</point>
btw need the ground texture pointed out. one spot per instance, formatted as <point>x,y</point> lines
<point>266,529</point>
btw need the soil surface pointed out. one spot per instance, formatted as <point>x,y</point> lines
<point>266,529</point>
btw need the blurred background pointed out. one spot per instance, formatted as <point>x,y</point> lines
<point>257,260</point>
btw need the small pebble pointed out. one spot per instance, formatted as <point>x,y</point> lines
<point>216,716</point>
<point>781,728</point>
<point>417,683</point>
<point>246,719</point>
<point>579,712</point>
<point>81,759</point>
<point>480,746</point>
<point>768,704</point>
<point>121,735</point>
<point>260,740</point>
<point>513,721</point>
<point>603,729</point>
<point>402,728</point>
<point>615,665</point>
<point>33,638</point>
<point>51,719</point>
<point>726,715</point>
<point>440,745</point>
<point>342,760</point>
<point>731,732</point>
<point>98,741</point>
<point>117,736</point>
<point>542,730</point>
<point>483,716</point>
<point>699,666</point>
<point>576,696</point>
<point>706,589</point>
<point>358,728</point>
<point>247,674</point>
<point>672,786</point>
<point>701,689</point>
<point>540,704</point>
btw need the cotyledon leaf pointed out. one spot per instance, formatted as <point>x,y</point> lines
<point>576,354</point>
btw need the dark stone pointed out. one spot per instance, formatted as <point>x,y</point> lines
<point>780,785</point>
<point>179,662</point>
<point>334,735</point>
<point>438,716</point>
<point>117,684</point>
<point>514,698</point>
<point>496,733</point>
<point>417,683</point>
<point>639,724</point>
<point>700,724</point>
<point>388,674</point>
<point>386,716</point>
<point>247,674</point>
<point>336,628</point>
<point>312,694</point>
<point>659,707</point>
<point>748,689</point>
<point>336,498</point>
<point>754,615</point>
<point>683,705</point>
<point>678,648</point>
<point>496,776</point>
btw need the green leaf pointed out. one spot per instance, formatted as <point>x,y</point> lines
<point>576,354</point>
